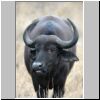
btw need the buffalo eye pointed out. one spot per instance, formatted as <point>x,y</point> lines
<point>49,51</point>
<point>52,50</point>
<point>32,53</point>
<point>33,50</point>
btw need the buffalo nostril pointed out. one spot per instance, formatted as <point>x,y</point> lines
<point>36,65</point>
<point>40,65</point>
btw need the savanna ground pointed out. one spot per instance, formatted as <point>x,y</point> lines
<point>26,12</point>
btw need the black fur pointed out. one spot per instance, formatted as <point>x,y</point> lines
<point>57,63</point>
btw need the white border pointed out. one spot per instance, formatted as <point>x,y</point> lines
<point>0,50</point>
<point>50,0</point>
<point>83,49</point>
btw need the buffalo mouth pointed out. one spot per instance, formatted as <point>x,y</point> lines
<point>40,71</point>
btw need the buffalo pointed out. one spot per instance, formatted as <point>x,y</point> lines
<point>50,53</point>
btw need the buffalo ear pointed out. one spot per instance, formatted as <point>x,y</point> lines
<point>69,56</point>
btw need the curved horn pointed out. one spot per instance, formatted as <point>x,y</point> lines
<point>26,37</point>
<point>51,38</point>
<point>73,41</point>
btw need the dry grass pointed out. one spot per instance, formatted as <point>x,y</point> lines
<point>25,13</point>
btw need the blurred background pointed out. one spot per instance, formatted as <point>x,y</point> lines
<point>26,12</point>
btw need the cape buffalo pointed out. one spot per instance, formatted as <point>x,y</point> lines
<point>50,52</point>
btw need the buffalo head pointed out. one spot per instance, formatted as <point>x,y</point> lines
<point>45,37</point>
